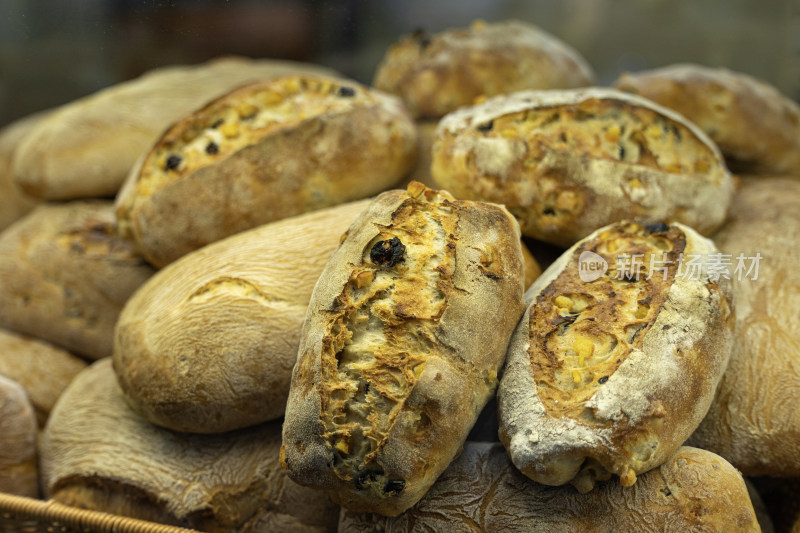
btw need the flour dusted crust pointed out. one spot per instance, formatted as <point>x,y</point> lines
<point>260,153</point>
<point>693,490</point>
<point>753,124</point>
<point>18,470</point>
<point>209,343</point>
<point>98,454</point>
<point>437,73</point>
<point>610,376</point>
<point>568,162</point>
<point>393,368</point>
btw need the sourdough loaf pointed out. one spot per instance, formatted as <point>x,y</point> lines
<point>18,470</point>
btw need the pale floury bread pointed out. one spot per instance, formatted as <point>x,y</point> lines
<point>208,344</point>
<point>610,370</point>
<point>753,124</point>
<point>754,421</point>
<point>86,148</point>
<point>263,152</point>
<point>14,203</point>
<point>405,335</point>
<point>437,73</point>
<point>18,470</point>
<point>693,491</point>
<point>568,162</point>
<point>98,454</point>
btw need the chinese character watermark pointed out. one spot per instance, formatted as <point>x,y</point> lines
<point>633,267</point>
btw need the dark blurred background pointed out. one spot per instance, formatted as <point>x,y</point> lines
<point>52,52</point>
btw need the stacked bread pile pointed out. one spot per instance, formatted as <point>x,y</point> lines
<point>288,333</point>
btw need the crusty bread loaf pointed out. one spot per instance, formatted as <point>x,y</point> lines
<point>753,124</point>
<point>209,342</point>
<point>393,366</point>
<point>437,73</point>
<point>609,373</point>
<point>754,421</point>
<point>263,152</point>
<point>14,203</point>
<point>43,370</point>
<point>87,148</point>
<point>98,454</point>
<point>18,470</point>
<point>426,131</point>
<point>66,275</point>
<point>694,491</point>
<point>568,162</point>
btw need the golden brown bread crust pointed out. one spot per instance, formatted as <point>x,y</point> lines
<point>18,469</point>
<point>14,203</point>
<point>568,162</point>
<point>208,344</point>
<point>263,152</point>
<point>693,491</point>
<point>393,369</point>
<point>87,148</point>
<point>97,454</point>
<point>66,275</point>
<point>752,123</point>
<point>610,376</point>
<point>754,421</point>
<point>422,171</point>
<point>437,73</point>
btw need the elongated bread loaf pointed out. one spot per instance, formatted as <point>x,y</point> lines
<point>405,335</point>
<point>612,368</point>
<point>18,470</point>
<point>209,342</point>
<point>14,203</point>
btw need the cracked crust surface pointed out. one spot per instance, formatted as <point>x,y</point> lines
<point>610,376</point>
<point>393,369</point>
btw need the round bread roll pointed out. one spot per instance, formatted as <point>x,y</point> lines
<point>693,491</point>
<point>98,454</point>
<point>437,73</point>
<point>263,152</point>
<point>43,370</point>
<point>753,124</point>
<point>18,471</point>
<point>568,162</point>
<point>613,366</point>
<point>66,275</point>
<point>754,421</point>
<point>208,343</point>
<point>393,367</point>
<point>87,148</point>
<point>14,203</point>
<point>422,171</point>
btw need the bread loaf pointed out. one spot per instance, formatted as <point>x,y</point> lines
<point>437,73</point>
<point>394,366</point>
<point>568,162</point>
<point>209,342</point>
<point>14,203</point>
<point>97,454</point>
<point>66,275</point>
<point>18,471</point>
<point>611,369</point>
<point>87,148</point>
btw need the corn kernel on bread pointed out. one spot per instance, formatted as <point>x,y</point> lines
<point>693,490</point>
<point>568,162</point>
<point>14,203</point>
<point>610,375</point>
<point>86,148</point>
<point>209,342</point>
<point>260,153</point>
<point>437,73</point>
<point>18,470</point>
<point>753,124</point>
<point>98,454</point>
<point>393,367</point>
<point>43,370</point>
<point>66,275</point>
<point>754,421</point>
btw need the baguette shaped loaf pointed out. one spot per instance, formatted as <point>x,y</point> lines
<point>18,468</point>
<point>403,341</point>
<point>66,275</point>
<point>612,375</point>
<point>208,344</point>
<point>14,203</point>
<point>693,491</point>
<point>752,122</point>
<point>437,73</point>
<point>86,148</point>
<point>568,162</point>
<point>263,152</point>
<point>98,454</point>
